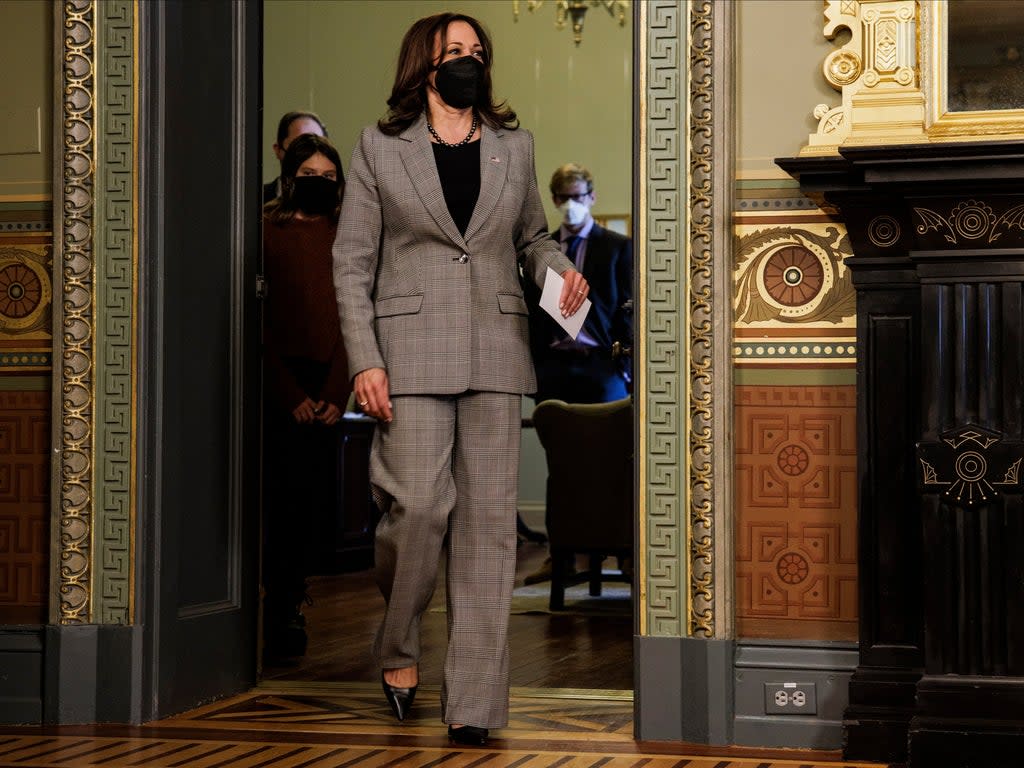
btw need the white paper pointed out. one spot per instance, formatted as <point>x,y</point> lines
<point>549,303</point>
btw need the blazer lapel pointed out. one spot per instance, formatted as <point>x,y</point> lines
<point>493,168</point>
<point>418,157</point>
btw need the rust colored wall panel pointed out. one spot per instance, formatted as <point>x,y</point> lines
<point>24,506</point>
<point>796,512</point>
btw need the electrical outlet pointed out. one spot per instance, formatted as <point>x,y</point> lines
<point>790,699</point>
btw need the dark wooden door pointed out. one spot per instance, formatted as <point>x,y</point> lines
<point>200,85</point>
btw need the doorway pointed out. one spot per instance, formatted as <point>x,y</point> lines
<point>573,649</point>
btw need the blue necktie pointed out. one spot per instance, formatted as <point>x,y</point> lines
<point>573,248</point>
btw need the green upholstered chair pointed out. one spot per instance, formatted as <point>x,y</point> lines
<point>589,450</point>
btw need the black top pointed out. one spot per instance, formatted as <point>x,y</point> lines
<point>459,169</point>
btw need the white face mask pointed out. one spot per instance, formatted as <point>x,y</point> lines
<point>573,213</point>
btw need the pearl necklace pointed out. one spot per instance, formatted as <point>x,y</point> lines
<point>443,143</point>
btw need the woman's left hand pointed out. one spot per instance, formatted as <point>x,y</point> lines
<point>574,291</point>
<point>330,414</point>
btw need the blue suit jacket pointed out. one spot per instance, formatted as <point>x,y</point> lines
<point>608,268</point>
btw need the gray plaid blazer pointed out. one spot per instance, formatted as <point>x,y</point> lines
<point>442,313</point>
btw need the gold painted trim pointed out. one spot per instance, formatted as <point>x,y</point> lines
<point>39,198</point>
<point>134,415</point>
<point>523,692</point>
<point>73,425</point>
<point>640,334</point>
<point>687,349</point>
<point>943,125</point>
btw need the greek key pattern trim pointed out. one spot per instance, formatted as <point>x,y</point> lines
<point>664,277</point>
<point>700,274</point>
<point>73,315</point>
<point>115,310</point>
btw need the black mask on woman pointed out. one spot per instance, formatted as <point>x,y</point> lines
<point>458,81</point>
<point>315,195</point>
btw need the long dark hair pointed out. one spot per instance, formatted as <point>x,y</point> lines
<point>302,148</point>
<point>415,63</point>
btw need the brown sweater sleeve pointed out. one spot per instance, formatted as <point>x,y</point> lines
<point>337,386</point>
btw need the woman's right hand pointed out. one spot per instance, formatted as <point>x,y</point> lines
<point>371,388</point>
<point>305,412</point>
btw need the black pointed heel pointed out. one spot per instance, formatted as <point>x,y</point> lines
<point>399,699</point>
<point>469,735</point>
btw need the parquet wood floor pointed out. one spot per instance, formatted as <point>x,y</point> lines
<point>348,726</point>
<point>572,707</point>
<point>565,651</point>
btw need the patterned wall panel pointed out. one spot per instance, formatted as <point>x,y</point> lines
<point>24,506</point>
<point>794,300</point>
<point>115,312</point>
<point>662,365</point>
<point>74,365</point>
<point>796,553</point>
<point>794,352</point>
<point>26,344</point>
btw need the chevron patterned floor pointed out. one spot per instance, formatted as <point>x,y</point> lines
<point>349,726</point>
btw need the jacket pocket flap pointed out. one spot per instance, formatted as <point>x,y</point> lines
<point>398,305</point>
<point>511,304</point>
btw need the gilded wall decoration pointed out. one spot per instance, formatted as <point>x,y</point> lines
<point>115,311</point>
<point>794,301</point>
<point>876,71</point>
<point>796,480</point>
<point>709,317</point>
<point>787,275</point>
<point>683,404</point>
<point>25,291</point>
<point>972,220</point>
<point>661,364</point>
<point>26,303</point>
<point>970,466</point>
<point>73,366</point>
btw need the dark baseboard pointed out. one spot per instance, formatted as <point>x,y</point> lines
<point>21,669</point>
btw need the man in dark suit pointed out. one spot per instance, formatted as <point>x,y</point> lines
<point>583,370</point>
<point>289,127</point>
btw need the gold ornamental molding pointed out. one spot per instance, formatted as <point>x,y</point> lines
<point>709,321</point>
<point>876,72</point>
<point>73,311</point>
<point>895,77</point>
<point>684,382</point>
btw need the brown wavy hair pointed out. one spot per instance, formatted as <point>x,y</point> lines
<point>415,63</point>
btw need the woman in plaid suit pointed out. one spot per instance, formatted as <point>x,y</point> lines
<point>440,209</point>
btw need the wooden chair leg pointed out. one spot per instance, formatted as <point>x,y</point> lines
<point>595,575</point>
<point>557,600</point>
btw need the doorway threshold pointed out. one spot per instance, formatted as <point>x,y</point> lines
<point>329,686</point>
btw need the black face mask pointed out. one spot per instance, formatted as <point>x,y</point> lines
<point>315,195</point>
<point>458,81</point>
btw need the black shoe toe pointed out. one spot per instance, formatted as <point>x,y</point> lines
<point>399,699</point>
<point>469,735</point>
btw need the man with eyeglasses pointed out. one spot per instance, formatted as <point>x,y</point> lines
<point>583,370</point>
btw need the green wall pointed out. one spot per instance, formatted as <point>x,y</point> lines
<point>26,99</point>
<point>337,57</point>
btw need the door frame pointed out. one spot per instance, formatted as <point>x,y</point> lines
<point>101,607</point>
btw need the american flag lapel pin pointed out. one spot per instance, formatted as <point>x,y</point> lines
<point>495,159</point>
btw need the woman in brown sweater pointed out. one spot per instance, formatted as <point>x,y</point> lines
<point>306,380</point>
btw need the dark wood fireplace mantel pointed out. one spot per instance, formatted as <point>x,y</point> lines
<point>938,239</point>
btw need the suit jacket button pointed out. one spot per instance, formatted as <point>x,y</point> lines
<point>463,258</point>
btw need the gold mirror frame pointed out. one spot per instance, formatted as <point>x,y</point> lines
<point>943,125</point>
